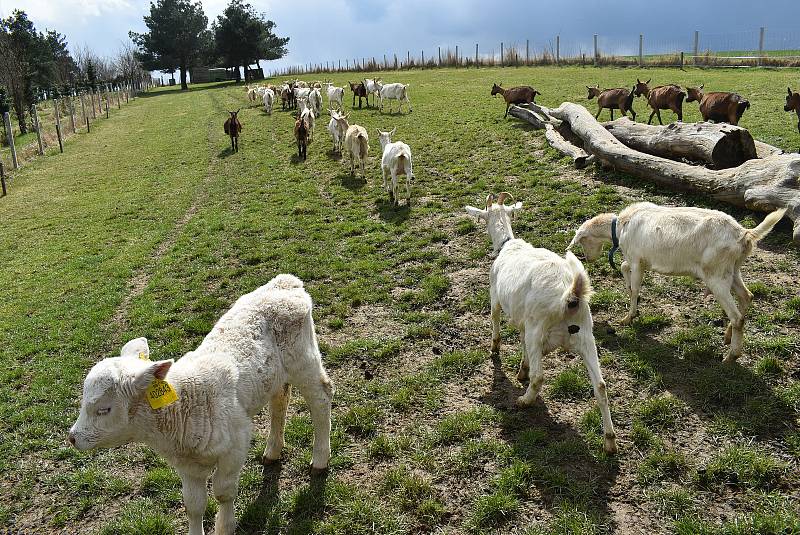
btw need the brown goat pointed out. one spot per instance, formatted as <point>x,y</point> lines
<point>233,128</point>
<point>522,94</point>
<point>718,106</point>
<point>359,91</point>
<point>793,103</point>
<point>614,99</point>
<point>301,135</point>
<point>662,97</point>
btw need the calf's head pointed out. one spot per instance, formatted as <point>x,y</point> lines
<point>110,391</point>
<point>497,216</point>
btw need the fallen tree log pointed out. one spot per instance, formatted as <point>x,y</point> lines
<point>763,149</point>
<point>557,141</point>
<point>760,184</point>
<point>718,144</point>
<point>538,120</point>
<point>559,138</point>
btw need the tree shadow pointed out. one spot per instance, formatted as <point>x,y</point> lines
<point>391,213</point>
<point>565,469</point>
<point>714,390</point>
<point>169,90</point>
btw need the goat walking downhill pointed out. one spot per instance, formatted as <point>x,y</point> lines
<point>547,298</point>
<point>233,128</point>
<point>706,244</point>
<point>257,351</point>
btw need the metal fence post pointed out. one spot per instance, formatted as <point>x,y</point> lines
<point>10,133</point>
<point>440,56</point>
<point>527,51</point>
<point>476,54</point>
<point>502,56</point>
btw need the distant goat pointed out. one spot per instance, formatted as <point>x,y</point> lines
<point>793,103</point>
<point>718,106</point>
<point>614,99</point>
<point>398,92</point>
<point>308,117</point>
<point>356,141</point>
<point>269,100</point>
<point>373,87</point>
<point>706,244</point>
<point>315,101</point>
<point>233,128</point>
<point>337,127</point>
<point>662,97</point>
<point>522,94</point>
<point>396,160</point>
<point>359,91</point>
<point>547,298</point>
<point>335,95</point>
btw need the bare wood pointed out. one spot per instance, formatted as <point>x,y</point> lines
<point>763,149</point>
<point>38,128</point>
<point>718,144</point>
<point>557,141</point>
<point>3,178</point>
<point>538,120</point>
<point>760,184</point>
<point>10,134</point>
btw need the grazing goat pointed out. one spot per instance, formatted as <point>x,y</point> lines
<point>547,298</point>
<point>337,126</point>
<point>233,128</point>
<point>662,97</point>
<point>614,99</point>
<point>373,87</point>
<point>396,160</point>
<point>398,92</point>
<point>335,95</point>
<point>356,142</point>
<point>301,136</point>
<point>359,91</point>
<point>718,106</point>
<point>522,94</point>
<point>269,100</point>
<point>793,103</point>
<point>198,412</point>
<point>705,244</point>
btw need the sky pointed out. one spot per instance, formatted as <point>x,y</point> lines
<point>332,30</point>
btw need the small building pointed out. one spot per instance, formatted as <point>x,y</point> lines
<point>205,74</point>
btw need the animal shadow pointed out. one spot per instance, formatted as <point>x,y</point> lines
<point>392,213</point>
<point>353,183</point>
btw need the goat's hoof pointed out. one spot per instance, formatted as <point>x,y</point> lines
<point>610,445</point>
<point>730,358</point>
<point>523,402</point>
<point>522,376</point>
<point>269,461</point>
<point>318,471</point>
<point>627,320</point>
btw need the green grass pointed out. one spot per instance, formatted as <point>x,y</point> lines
<point>148,227</point>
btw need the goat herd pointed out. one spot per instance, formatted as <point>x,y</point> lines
<point>197,412</point>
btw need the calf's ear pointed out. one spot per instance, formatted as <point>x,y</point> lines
<point>154,370</point>
<point>137,347</point>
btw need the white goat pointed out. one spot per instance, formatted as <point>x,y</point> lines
<point>706,244</point>
<point>301,92</point>
<point>335,95</point>
<point>269,100</point>
<point>315,101</point>
<point>259,348</point>
<point>396,160</point>
<point>356,141</point>
<point>547,298</point>
<point>337,126</point>
<point>373,87</point>
<point>397,92</point>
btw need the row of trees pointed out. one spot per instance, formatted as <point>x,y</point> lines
<point>179,38</point>
<point>33,62</point>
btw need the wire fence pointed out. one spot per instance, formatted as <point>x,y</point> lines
<point>749,48</point>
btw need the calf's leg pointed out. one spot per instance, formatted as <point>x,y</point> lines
<point>193,486</point>
<point>277,408</point>
<point>225,486</point>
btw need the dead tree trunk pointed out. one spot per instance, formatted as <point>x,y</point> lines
<point>760,184</point>
<point>717,144</point>
<point>554,132</point>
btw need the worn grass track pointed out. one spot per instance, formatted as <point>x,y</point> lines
<point>150,227</point>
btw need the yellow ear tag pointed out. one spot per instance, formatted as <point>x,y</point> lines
<point>160,393</point>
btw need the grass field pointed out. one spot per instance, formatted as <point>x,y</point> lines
<point>151,227</point>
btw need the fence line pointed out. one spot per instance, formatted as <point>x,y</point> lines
<point>750,48</point>
<point>50,131</point>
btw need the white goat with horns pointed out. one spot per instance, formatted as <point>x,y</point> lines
<point>547,298</point>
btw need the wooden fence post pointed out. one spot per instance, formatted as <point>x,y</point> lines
<point>696,44</point>
<point>527,51</point>
<point>440,56</point>
<point>457,60</point>
<point>502,55</point>
<point>476,54</point>
<point>10,133</point>
<point>558,49</point>
<point>119,102</point>
<point>641,49</point>
<point>3,178</point>
<point>760,46</point>
<point>38,129</point>
<point>58,126</point>
<point>71,114</point>
<point>94,110</point>
<point>106,106</point>
<point>596,52</point>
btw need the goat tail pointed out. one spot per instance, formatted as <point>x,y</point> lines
<point>363,146</point>
<point>757,234</point>
<point>581,287</point>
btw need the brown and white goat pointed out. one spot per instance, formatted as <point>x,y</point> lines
<point>301,135</point>
<point>614,99</point>
<point>718,106</point>
<point>662,97</point>
<point>233,128</point>
<point>793,104</point>
<point>521,94</point>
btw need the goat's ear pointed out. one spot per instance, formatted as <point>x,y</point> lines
<point>393,131</point>
<point>378,130</point>
<point>790,91</point>
<point>648,80</point>
<point>638,81</point>
<point>475,212</point>
<point>137,347</point>
<point>154,370</point>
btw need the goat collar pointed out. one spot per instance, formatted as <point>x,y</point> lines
<point>614,243</point>
<point>503,243</point>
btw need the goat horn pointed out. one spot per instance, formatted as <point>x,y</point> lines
<point>490,199</point>
<point>503,196</point>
